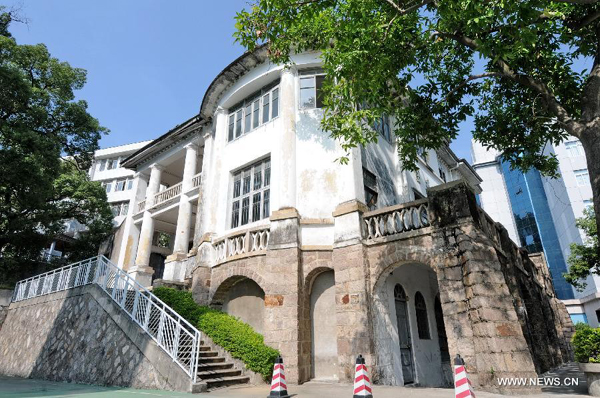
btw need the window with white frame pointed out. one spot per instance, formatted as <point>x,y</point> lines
<point>251,194</point>
<point>112,164</point>
<point>107,185</point>
<point>129,184</point>
<point>119,208</point>
<point>102,165</point>
<point>582,177</point>
<point>254,111</point>
<point>120,185</point>
<point>311,89</point>
<point>370,185</point>
<point>574,148</point>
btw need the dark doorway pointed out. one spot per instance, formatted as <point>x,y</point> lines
<point>157,263</point>
<point>408,368</point>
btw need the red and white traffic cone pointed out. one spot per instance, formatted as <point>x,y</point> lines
<point>278,385</point>
<point>362,383</point>
<point>462,385</point>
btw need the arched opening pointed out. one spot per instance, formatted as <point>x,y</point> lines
<point>324,364</point>
<point>404,338</point>
<point>246,301</point>
<point>403,322</point>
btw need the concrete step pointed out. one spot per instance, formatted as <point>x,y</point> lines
<point>211,359</point>
<point>207,354</point>
<point>219,373</point>
<point>204,348</point>
<point>202,367</point>
<point>220,382</point>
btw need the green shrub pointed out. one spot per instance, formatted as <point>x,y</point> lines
<point>587,344</point>
<point>235,336</point>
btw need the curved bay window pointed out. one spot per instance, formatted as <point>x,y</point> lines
<point>251,194</point>
<point>422,322</point>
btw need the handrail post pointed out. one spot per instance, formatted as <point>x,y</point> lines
<point>135,305</point>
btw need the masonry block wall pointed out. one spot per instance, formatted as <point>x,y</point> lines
<point>80,336</point>
<point>500,312</point>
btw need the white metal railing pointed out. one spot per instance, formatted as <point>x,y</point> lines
<point>251,241</point>
<point>167,194</point>
<point>395,219</point>
<point>176,336</point>
<point>196,180</point>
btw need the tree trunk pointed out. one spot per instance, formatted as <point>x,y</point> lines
<point>590,139</point>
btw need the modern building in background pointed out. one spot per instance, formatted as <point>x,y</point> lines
<point>540,214</point>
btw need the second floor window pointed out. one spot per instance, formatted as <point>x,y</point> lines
<point>119,208</point>
<point>582,177</point>
<point>255,110</point>
<point>311,91</point>
<point>574,148</point>
<point>370,184</point>
<point>120,185</point>
<point>251,194</point>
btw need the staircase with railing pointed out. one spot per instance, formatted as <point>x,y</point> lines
<point>171,332</point>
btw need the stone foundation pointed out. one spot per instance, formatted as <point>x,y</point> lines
<point>499,308</point>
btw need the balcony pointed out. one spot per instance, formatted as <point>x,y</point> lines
<point>169,194</point>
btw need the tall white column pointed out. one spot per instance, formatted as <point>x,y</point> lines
<point>184,217</point>
<point>285,156</point>
<point>142,271</point>
<point>131,233</point>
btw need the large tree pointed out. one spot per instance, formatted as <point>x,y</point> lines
<point>510,64</point>
<point>584,259</point>
<point>47,140</point>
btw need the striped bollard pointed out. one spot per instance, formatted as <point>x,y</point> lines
<point>278,386</point>
<point>462,384</point>
<point>362,383</point>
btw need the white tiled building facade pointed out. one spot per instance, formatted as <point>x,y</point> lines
<point>565,198</point>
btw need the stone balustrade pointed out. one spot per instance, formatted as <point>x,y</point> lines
<point>167,194</point>
<point>488,225</point>
<point>196,180</point>
<point>141,206</point>
<point>396,219</point>
<point>252,241</point>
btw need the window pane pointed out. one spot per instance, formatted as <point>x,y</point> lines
<point>238,123</point>
<point>125,209</point>
<point>266,108</point>
<point>256,113</point>
<point>256,207</point>
<point>266,197</point>
<point>307,92</point>
<point>248,118</point>
<point>231,126</point>
<point>108,187</point>
<point>245,210</point>
<point>267,173</point>
<point>102,165</point>
<point>319,90</point>
<point>129,184</point>
<point>246,185</point>
<point>257,177</point>
<point>235,214</point>
<point>307,82</point>
<point>237,183</point>
<point>275,103</point>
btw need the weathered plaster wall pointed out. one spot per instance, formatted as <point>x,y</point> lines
<point>323,327</point>
<point>246,301</point>
<point>80,335</point>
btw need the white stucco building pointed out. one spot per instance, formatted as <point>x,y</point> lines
<point>215,188</point>
<point>554,204</point>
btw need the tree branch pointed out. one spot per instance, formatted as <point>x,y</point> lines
<point>577,1</point>
<point>403,11</point>
<point>467,80</point>
<point>563,116</point>
<point>588,19</point>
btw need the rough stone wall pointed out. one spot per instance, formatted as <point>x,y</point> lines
<point>5,298</point>
<point>69,336</point>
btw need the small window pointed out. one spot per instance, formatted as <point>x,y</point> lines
<point>129,184</point>
<point>442,174</point>
<point>422,321</point>
<point>120,185</point>
<point>102,165</point>
<point>382,126</point>
<point>107,186</point>
<point>125,208</point>
<point>582,177</point>
<point>255,110</point>
<point>112,164</point>
<point>418,195</point>
<point>370,184</point>
<point>574,148</point>
<point>311,91</point>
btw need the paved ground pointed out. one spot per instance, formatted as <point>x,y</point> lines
<point>21,388</point>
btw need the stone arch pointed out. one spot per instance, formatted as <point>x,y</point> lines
<point>414,276</point>
<point>221,286</point>
<point>387,264</point>
<point>305,319</point>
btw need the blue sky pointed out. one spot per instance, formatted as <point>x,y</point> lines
<point>148,62</point>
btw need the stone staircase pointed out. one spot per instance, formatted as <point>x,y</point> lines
<point>212,369</point>
<point>216,372</point>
